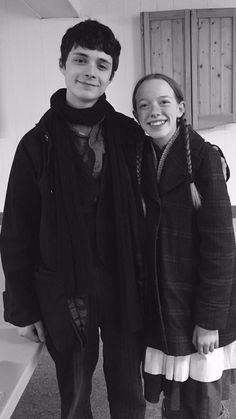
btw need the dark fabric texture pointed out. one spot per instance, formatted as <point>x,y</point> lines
<point>190,254</point>
<point>46,252</point>
<point>194,398</point>
<point>122,353</point>
<point>86,116</point>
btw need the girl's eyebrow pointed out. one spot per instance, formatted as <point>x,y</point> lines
<point>141,100</point>
<point>159,97</point>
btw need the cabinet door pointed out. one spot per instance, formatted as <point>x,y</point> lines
<point>166,48</point>
<point>213,33</point>
<point>197,48</point>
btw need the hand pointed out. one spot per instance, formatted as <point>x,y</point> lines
<point>34,332</point>
<point>204,340</point>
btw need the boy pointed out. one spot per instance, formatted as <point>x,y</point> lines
<point>69,232</point>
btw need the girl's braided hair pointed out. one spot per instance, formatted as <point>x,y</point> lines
<point>196,197</point>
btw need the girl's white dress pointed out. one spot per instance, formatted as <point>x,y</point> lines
<point>204,368</point>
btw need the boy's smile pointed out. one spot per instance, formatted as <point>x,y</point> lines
<point>87,74</point>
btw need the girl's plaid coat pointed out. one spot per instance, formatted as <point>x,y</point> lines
<point>190,270</point>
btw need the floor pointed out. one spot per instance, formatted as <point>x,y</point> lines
<point>41,401</point>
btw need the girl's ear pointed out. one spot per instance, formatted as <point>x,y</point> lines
<point>181,109</point>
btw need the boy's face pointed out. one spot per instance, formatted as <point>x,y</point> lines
<point>87,74</point>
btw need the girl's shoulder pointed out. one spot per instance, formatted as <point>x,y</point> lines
<point>202,150</point>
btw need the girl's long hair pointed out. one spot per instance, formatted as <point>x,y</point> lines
<point>195,195</point>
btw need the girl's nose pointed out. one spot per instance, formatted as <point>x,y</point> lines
<point>156,110</point>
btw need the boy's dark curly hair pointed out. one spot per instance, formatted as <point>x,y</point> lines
<point>91,34</point>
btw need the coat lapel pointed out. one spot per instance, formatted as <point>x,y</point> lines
<point>149,180</point>
<point>174,170</point>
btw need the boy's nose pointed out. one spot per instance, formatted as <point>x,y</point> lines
<point>90,71</point>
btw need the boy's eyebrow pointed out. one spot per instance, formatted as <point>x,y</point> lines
<point>105,61</point>
<point>82,54</point>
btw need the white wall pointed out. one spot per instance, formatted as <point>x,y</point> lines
<point>29,53</point>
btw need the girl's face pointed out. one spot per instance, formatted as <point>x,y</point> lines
<point>157,110</point>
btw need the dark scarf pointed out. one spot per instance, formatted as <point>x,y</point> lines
<point>83,116</point>
<point>75,266</point>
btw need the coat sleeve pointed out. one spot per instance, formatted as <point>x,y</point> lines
<point>217,245</point>
<point>19,240</point>
<point>224,163</point>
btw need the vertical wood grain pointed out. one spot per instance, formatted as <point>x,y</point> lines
<point>156,47</point>
<point>194,61</point>
<point>204,65</point>
<point>167,47</point>
<point>226,64</point>
<point>215,73</point>
<point>178,52</point>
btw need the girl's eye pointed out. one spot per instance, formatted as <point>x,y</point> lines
<point>143,106</point>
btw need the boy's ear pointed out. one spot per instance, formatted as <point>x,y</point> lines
<point>181,106</point>
<point>61,66</point>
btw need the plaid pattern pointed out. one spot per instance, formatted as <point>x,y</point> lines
<point>190,254</point>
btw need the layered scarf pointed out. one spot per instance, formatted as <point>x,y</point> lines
<point>75,259</point>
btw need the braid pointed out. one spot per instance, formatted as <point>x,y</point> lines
<point>139,159</point>
<point>196,197</point>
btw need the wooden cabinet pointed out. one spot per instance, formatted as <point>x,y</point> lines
<point>198,49</point>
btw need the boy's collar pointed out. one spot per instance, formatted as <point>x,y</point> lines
<point>86,116</point>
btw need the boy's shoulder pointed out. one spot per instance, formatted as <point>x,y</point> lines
<point>125,120</point>
<point>35,143</point>
<point>40,130</point>
<point>127,125</point>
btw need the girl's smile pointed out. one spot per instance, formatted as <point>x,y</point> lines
<point>158,110</point>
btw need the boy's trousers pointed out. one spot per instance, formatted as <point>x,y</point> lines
<point>122,353</point>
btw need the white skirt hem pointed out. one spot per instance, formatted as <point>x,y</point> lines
<point>204,368</point>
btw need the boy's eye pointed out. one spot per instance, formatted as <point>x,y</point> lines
<point>165,102</point>
<point>79,60</point>
<point>102,67</point>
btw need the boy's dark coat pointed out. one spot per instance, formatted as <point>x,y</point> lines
<point>191,253</point>
<point>28,237</point>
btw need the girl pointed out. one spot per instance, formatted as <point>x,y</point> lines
<point>190,290</point>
